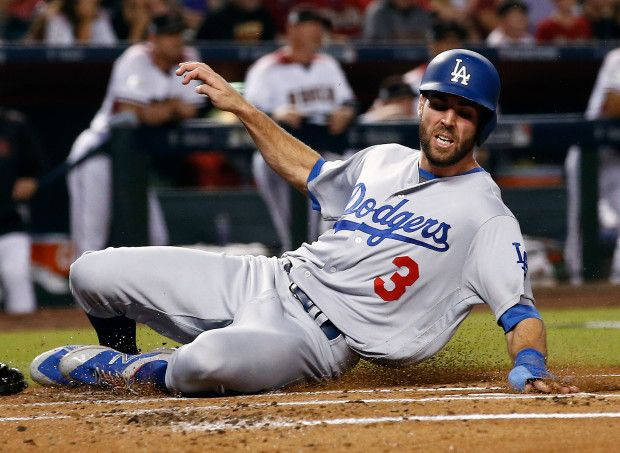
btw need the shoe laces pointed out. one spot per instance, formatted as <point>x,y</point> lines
<point>110,379</point>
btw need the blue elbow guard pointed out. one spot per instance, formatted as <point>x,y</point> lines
<point>529,365</point>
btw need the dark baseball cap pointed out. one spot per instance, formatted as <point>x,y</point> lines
<point>394,87</point>
<point>307,13</point>
<point>167,24</point>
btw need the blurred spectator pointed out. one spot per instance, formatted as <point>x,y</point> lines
<point>70,22</point>
<point>143,85</point>
<point>538,10</point>
<point>16,17</point>
<point>20,167</point>
<point>194,13</point>
<point>444,36</point>
<point>279,10</point>
<point>395,102</point>
<point>604,103</point>
<point>239,20</point>
<point>131,18</point>
<point>604,17</point>
<point>564,25</point>
<point>483,13</point>
<point>397,20</point>
<point>346,16</point>
<point>513,26</point>
<point>306,92</point>
<point>449,10</point>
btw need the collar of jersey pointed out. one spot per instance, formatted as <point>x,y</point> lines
<point>428,175</point>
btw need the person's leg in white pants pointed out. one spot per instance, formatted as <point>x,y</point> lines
<point>90,196</point>
<point>572,246</point>
<point>188,294</point>
<point>610,191</point>
<point>15,275</point>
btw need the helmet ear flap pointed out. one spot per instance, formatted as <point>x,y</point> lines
<point>487,127</point>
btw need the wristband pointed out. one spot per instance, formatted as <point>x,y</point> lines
<point>515,314</point>
<point>529,365</point>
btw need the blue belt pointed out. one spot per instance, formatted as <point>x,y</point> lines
<point>328,328</point>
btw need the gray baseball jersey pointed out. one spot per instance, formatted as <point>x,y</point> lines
<point>407,258</point>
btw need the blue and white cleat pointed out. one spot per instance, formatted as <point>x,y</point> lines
<point>103,366</point>
<point>44,369</point>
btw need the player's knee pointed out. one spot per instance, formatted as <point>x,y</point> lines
<point>93,272</point>
<point>204,367</point>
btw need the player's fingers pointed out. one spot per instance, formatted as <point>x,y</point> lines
<point>198,73</point>
<point>186,66</point>
<point>564,388</point>
<point>203,89</point>
<point>541,386</point>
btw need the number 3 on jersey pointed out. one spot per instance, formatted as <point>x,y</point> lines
<point>400,282</point>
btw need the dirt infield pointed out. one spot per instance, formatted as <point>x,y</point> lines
<point>477,416</point>
<point>369,409</point>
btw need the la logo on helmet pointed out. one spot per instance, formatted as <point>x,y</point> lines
<point>460,72</point>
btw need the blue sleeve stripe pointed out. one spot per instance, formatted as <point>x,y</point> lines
<point>315,170</point>
<point>515,314</point>
<point>316,206</point>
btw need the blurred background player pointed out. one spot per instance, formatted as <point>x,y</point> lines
<point>142,83</point>
<point>20,166</point>
<point>307,93</point>
<point>604,103</point>
<point>513,27</point>
<point>395,102</point>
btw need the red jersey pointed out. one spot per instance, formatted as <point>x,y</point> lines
<point>550,30</point>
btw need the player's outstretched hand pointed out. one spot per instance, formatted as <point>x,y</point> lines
<point>530,374</point>
<point>222,94</point>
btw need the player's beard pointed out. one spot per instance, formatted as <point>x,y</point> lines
<point>444,160</point>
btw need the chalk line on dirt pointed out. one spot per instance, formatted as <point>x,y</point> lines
<point>213,407</point>
<point>236,423</point>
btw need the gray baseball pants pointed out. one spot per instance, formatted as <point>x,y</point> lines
<point>241,327</point>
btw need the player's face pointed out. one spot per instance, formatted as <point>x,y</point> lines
<point>169,47</point>
<point>307,35</point>
<point>448,127</point>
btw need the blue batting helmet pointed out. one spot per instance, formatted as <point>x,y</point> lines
<point>469,75</point>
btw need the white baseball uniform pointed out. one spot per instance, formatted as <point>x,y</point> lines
<point>407,259</point>
<point>135,79</point>
<point>608,81</point>
<point>315,90</point>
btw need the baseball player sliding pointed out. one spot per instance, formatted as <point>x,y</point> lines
<point>420,238</point>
